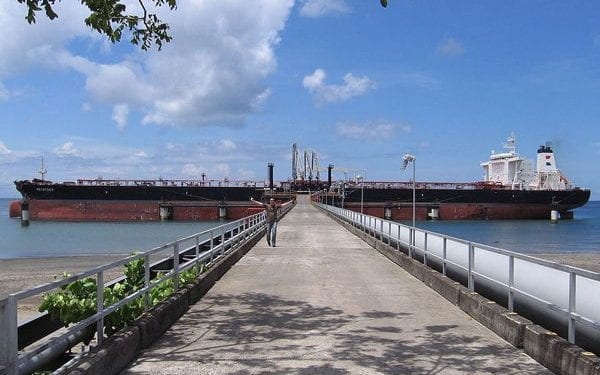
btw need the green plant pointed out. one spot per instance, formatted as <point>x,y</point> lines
<point>76,301</point>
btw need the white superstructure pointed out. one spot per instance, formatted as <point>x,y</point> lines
<point>510,170</point>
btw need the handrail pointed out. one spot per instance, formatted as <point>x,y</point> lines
<point>481,264</point>
<point>220,240</point>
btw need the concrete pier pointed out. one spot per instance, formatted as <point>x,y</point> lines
<point>323,301</point>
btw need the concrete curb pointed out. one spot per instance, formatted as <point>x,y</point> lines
<point>557,354</point>
<point>113,356</point>
<point>119,350</point>
<point>510,326</point>
<point>155,322</point>
<point>546,347</point>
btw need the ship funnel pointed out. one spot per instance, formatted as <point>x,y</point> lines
<point>545,159</point>
<point>329,169</point>
<point>270,173</point>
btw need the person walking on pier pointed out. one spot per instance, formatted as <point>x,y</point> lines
<point>272,210</point>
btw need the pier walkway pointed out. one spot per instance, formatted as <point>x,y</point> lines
<point>323,301</point>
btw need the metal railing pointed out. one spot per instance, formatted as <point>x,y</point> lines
<point>205,248</point>
<point>570,292</point>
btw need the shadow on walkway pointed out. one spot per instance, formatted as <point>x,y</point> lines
<point>260,333</point>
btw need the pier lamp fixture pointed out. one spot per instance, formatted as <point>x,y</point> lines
<point>408,158</point>
<point>362,185</point>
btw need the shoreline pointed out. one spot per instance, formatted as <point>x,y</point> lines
<point>25,273</point>
<point>586,261</point>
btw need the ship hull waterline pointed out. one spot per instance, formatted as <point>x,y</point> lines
<point>94,210</point>
<point>448,204</point>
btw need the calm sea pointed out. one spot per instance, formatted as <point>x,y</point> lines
<point>47,239</point>
<point>580,235</point>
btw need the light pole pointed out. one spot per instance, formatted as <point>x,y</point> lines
<point>361,179</point>
<point>408,158</point>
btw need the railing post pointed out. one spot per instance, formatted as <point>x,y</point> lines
<point>222,240</point>
<point>381,231</point>
<point>176,266</point>
<point>212,245</point>
<point>100,306</point>
<point>572,305</point>
<point>444,255</point>
<point>197,250</point>
<point>9,336</point>
<point>398,241</point>
<point>425,250</point>
<point>390,233</point>
<point>147,282</point>
<point>411,235</point>
<point>511,283</point>
<point>471,282</point>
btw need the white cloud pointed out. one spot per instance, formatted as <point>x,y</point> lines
<point>246,174</point>
<point>222,170</point>
<point>171,146</point>
<point>141,155</point>
<point>86,107</point>
<point>323,93</point>
<point>227,145</point>
<point>192,171</point>
<point>320,8</point>
<point>119,115</point>
<point>450,47</point>
<point>3,149</point>
<point>226,52</point>
<point>67,149</point>
<point>212,72</point>
<point>216,172</point>
<point>18,49</point>
<point>373,131</point>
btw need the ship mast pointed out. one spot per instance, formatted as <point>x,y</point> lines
<point>43,170</point>
<point>510,145</point>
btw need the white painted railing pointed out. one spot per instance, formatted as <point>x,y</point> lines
<point>573,294</point>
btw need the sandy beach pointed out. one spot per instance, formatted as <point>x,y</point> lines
<point>20,274</point>
<point>25,273</point>
<point>587,261</point>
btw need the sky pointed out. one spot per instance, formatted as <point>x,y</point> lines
<point>361,85</point>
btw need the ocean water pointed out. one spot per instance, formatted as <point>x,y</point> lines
<point>579,235</point>
<point>47,239</point>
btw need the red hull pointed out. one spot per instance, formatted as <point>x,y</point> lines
<point>76,210</point>
<point>458,211</point>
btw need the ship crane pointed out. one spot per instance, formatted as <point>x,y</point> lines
<point>307,167</point>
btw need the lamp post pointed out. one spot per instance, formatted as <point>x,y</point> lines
<point>361,179</point>
<point>343,189</point>
<point>408,158</point>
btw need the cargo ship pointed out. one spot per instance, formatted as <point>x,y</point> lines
<point>140,200</point>
<point>511,189</point>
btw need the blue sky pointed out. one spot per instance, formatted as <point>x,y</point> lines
<point>359,84</point>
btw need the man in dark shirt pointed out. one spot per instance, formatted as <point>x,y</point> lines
<point>272,211</point>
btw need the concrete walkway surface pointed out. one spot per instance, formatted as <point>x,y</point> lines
<point>324,302</point>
